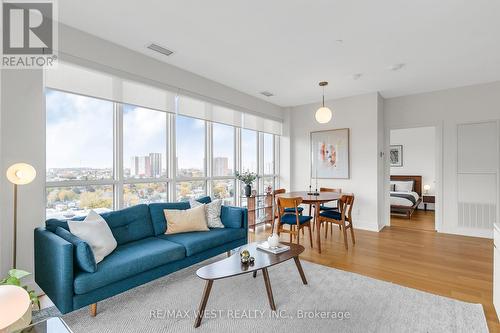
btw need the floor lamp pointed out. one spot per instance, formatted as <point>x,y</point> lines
<point>19,174</point>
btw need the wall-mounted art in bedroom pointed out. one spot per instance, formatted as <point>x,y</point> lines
<point>330,154</point>
<point>396,155</point>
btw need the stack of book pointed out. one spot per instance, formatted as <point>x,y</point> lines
<point>274,250</point>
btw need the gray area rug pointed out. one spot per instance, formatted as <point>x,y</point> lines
<point>333,301</point>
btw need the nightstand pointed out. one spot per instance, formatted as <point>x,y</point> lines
<point>428,198</point>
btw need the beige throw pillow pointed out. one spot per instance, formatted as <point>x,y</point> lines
<point>186,220</point>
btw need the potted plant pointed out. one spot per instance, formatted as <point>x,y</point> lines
<point>247,178</point>
<point>14,277</point>
<point>20,300</point>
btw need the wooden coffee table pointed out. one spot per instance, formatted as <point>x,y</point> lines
<point>232,266</point>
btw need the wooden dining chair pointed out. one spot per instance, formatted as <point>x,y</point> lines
<point>327,189</point>
<point>343,217</point>
<point>288,210</point>
<point>324,207</point>
<point>296,221</point>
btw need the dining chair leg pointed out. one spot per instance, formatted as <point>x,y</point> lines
<point>291,230</point>
<point>344,230</point>
<point>352,233</point>
<point>326,228</point>
<point>331,230</point>
<point>310,236</point>
<point>298,234</point>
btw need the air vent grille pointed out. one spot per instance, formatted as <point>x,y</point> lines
<point>266,93</point>
<point>160,49</point>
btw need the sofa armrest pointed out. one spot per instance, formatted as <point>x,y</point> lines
<point>234,217</point>
<point>54,268</point>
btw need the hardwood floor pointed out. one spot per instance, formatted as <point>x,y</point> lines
<point>448,265</point>
<point>421,220</point>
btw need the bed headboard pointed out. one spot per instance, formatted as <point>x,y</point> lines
<point>417,181</point>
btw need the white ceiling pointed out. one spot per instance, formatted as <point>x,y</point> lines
<point>287,47</point>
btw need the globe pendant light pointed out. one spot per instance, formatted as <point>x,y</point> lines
<point>323,114</point>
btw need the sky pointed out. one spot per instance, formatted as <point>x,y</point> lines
<point>80,134</point>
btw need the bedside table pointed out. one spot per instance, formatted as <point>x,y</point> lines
<point>428,198</point>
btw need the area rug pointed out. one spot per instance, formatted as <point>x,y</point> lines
<point>333,301</point>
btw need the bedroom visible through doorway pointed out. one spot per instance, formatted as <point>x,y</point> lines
<point>413,178</point>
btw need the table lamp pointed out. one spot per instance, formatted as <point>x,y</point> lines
<point>427,188</point>
<point>19,174</point>
<point>15,307</point>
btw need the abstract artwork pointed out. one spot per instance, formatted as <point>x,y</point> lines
<point>396,155</point>
<point>330,154</point>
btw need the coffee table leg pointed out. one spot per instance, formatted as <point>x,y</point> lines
<point>301,271</point>
<point>203,303</point>
<point>254,274</point>
<point>268,289</point>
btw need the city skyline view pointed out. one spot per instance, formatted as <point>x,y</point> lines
<point>80,148</point>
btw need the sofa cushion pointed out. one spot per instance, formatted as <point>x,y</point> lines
<point>127,225</point>
<point>128,260</point>
<point>82,253</point>
<point>199,241</point>
<point>204,200</point>
<point>232,217</point>
<point>158,215</point>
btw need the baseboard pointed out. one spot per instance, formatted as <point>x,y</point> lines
<point>367,226</point>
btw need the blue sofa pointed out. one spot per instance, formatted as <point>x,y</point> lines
<point>144,253</point>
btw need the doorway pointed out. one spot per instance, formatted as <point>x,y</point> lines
<point>413,159</point>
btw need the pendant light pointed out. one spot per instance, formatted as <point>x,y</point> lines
<point>323,114</point>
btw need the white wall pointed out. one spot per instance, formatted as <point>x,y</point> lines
<point>22,139</point>
<point>360,114</point>
<point>445,110</point>
<point>419,150</point>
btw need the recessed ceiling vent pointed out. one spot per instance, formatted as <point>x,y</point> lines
<point>160,49</point>
<point>266,93</point>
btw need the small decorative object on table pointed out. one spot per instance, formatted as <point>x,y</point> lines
<point>274,250</point>
<point>269,189</point>
<point>247,178</point>
<point>245,257</point>
<point>273,240</point>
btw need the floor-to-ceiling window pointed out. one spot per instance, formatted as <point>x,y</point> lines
<point>105,155</point>
<point>144,155</point>
<point>190,135</point>
<point>79,148</point>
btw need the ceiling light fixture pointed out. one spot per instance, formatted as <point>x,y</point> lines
<point>323,114</point>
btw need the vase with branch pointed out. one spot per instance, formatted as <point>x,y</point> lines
<point>247,178</point>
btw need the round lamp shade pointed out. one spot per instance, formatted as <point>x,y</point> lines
<point>15,307</point>
<point>21,173</point>
<point>323,115</point>
<point>427,187</point>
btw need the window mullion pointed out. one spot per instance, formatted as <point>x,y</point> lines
<point>118,155</point>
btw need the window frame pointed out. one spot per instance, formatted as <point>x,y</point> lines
<point>171,179</point>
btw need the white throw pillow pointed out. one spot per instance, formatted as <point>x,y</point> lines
<point>212,212</point>
<point>96,232</point>
<point>404,186</point>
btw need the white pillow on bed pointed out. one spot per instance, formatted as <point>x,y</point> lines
<point>403,186</point>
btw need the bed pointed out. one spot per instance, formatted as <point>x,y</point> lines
<point>405,194</point>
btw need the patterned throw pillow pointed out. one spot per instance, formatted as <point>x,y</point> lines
<point>212,211</point>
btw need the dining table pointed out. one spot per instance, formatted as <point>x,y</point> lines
<point>315,200</point>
